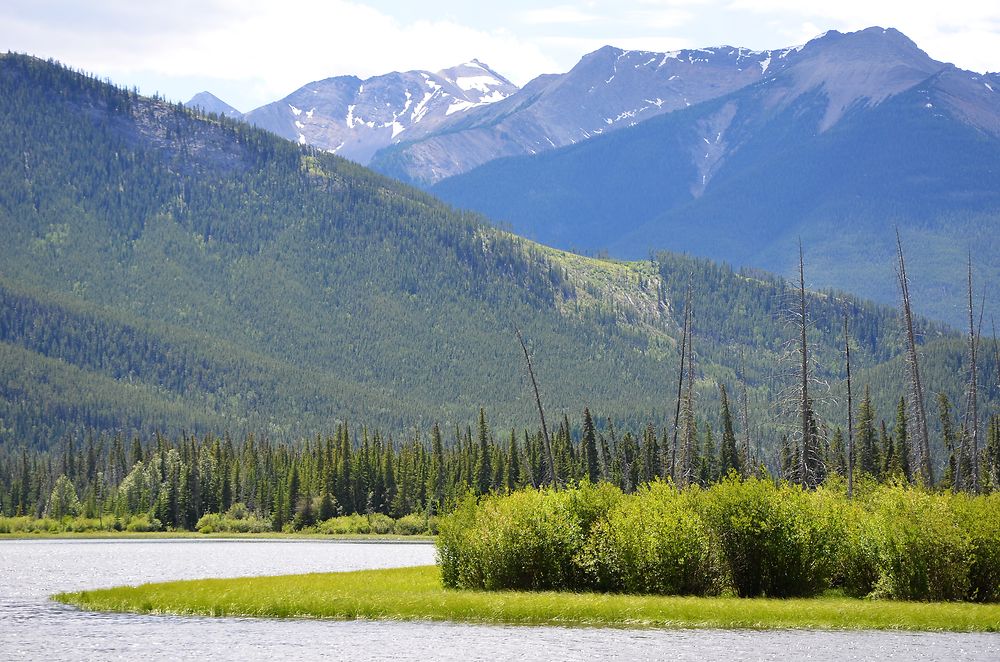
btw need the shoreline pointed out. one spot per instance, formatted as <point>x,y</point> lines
<point>221,535</point>
<point>416,594</point>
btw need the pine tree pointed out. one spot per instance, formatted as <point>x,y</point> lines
<point>437,471</point>
<point>707,471</point>
<point>948,440</point>
<point>484,466</point>
<point>836,461</point>
<point>868,455</point>
<point>903,441</point>
<point>992,459</point>
<point>327,507</point>
<point>606,454</point>
<point>391,486</point>
<point>512,472</point>
<point>590,447</point>
<point>650,454</point>
<point>891,467</point>
<point>729,457</point>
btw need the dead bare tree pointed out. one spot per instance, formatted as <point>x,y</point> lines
<point>918,412</point>
<point>809,458</point>
<point>850,410</point>
<point>973,394</point>
<point>671,469</point>
<point>968,455</point>
<point>687,472</point>
<point>550,459</point>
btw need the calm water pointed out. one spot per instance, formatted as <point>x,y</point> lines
<point>32,628</point>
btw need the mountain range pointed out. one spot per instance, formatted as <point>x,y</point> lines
<point>722,152</point>
<point>169,270</point>
<point>853,136</point>
<point>356,118</point>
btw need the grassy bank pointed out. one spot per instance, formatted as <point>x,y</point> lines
<point>417,594</point>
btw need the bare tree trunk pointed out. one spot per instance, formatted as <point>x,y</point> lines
<point>921,442</point>
<point>850,412</point>
<point>690,442</point>
<point>672,468</point>
<point>804,374</point>
<point>687,464</point>
<point>973,394</point>
<point>541,412</point>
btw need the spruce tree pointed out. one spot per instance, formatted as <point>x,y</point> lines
<point>729,457</point>
<point>868,455</point>
<point>484,465</point>
<point>902,436</point>
<point>590,447</point>
<point>707,471</point>
<point>837,457</point>
<point>437,471</point>
<point>948,440</point>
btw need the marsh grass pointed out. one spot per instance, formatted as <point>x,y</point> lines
<point>417,594</point>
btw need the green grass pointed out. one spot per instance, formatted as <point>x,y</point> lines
<point>417,594</point>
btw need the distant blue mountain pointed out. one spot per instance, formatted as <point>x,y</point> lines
<point>858,134</point>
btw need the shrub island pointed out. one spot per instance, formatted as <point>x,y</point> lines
<point>741,553</point>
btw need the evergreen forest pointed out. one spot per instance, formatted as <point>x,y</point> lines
<point>200,319</point>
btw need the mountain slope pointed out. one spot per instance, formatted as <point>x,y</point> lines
<point>859,133</point>
<point>161,262</point>
<point>168,271</point>
<point>607,90</point>
<point>355,118</point>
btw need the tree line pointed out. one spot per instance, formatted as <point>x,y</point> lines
<point>176,481</point>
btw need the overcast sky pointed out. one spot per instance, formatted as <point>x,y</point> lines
<point>250,52</point>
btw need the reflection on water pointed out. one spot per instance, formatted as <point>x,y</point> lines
<point>32,628</point>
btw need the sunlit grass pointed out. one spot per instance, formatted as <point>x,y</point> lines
<point>417,594</point>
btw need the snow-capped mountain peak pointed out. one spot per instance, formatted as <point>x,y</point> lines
<point>355,118</point>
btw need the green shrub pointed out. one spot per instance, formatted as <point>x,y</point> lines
<point>22,524</point>
<point>525,540</point>
<point>209,523</point>
<point>979,519</point>
<point>238,510</point>
<point>923,554</point>
<point>653,542</point>
<point>858,558</point>
<point>381,524</point>
<point>778,542</point>
<point>411,525</point>
<point>345,525</point>
<point>143,523</point>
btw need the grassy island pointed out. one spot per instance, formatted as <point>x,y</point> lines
<point>741,554</point>
<point>418,594</point>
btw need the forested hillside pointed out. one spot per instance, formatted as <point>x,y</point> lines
<point>167,271</point>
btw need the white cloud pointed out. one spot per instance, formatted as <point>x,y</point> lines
<point>256,50</point>
<point>275,48</point>
<point>560,14</point>
<point>964,32</point>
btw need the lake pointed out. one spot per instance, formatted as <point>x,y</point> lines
<point>34,628</point>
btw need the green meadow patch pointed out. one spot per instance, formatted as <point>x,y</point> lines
<point>418,594</point>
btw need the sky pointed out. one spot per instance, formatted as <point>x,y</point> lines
<point>252,52</point>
